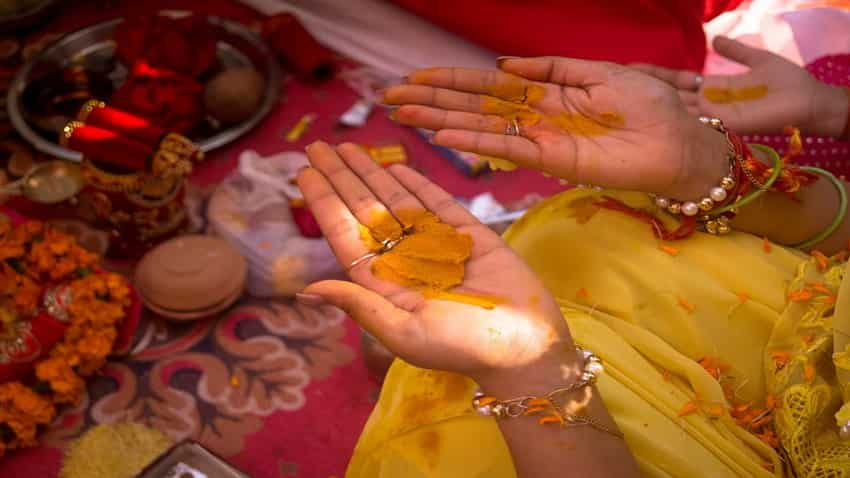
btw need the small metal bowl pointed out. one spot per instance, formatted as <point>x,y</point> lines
<point>93,48</point>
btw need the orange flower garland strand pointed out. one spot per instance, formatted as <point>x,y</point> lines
<point>32,257</point>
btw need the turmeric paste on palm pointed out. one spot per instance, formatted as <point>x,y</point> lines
<point>430,256</point>
<point>733,95</point>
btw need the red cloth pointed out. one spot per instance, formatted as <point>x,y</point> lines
<point>132,126</point>
<point>172,101</point>
<point>109,147</point>
<point>297,48</point>
<point>183,45</point>
<point>662,32</point>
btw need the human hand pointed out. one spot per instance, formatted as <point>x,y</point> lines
<point>583,121</point>
<point>345,188</point>
<point>793,97</point>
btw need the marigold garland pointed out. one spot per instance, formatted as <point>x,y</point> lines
<point>34,258</point>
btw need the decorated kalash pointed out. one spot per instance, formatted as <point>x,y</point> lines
<point>134,175</point>
<point>61,313</point>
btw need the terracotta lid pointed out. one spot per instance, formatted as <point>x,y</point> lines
<point>194,314</point>
<point>190,273</point>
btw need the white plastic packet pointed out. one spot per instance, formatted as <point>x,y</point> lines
<point>250,209</point>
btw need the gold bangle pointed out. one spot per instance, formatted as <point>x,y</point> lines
<point>87,109</point>
<point>68,131</point>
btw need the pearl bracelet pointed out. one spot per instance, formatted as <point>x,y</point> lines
<point>550,407</point>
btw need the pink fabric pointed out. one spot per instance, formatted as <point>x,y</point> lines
<point>828,153</point>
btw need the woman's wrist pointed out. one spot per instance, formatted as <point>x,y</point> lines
<point>557,368</point>
<point>706,161</point>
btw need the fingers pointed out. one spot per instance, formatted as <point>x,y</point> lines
<point>433,197</point>
<point>689,98</point>
<point>489,82</point>
<point>338,225</point>
<point>358,198</point>
<point>431,96</point>
<point>680,79</point>
<point>737,51</point>
<point>375,313</point>
<point>388,190</point>
<point>561,71</point>
<point>514,148</point>
<point>437,119</point>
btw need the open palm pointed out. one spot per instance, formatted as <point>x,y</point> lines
<point>596,122</point>
<point>794,97</point>
<point>345,188</point>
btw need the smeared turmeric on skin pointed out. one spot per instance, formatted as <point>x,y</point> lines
<point>734,95</point>
<point>430,256</point>
<point>581,125</point>
<point>517,90</point>
<point>479,300</point>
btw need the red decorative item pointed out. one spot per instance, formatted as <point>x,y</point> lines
<point>183,45</point>
<point>297,48</point>
<point>107,147</point>
<point>139,211</point>
<point>172,101</point>
<point>122,122</point>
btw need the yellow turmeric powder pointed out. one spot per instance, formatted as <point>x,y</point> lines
<point>579,124</point>
<point>431,255</point>
<point>517,90</point>
<point>733,95</point>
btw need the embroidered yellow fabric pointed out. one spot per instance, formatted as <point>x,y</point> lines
<point>621,294</point>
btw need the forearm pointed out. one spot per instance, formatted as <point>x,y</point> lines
<point>551,450</point>
<point>787,222</point>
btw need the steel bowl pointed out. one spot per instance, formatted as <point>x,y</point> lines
<point>35,13</point>
<point>93,47</point>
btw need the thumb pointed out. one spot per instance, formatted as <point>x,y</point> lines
<point>372,311</point>
<point>737,51</point>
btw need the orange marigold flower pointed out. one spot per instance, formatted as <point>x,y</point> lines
<point>58,242</point>
<point>688,408</point>
<point>669,249</point>
<point>715,410</point>
<point>821,260</point>
<point>552,418</point>
<point>743,296</point>
<point>772,402</point>
<point>9,250</point>
<point>809,373</point>
<point>820,287</point>
<point>769,437</point>
<point>685,304</point>
<point>582,293</point>
<point>801,295</point>
<point>65,384</point>
<point>27,296</point>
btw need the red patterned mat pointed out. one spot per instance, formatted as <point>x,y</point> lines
<point>278,391</point>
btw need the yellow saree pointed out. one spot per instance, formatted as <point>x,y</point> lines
<point>694,335</point>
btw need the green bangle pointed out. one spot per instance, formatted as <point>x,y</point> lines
<point>777,169</point>
<point>842,209</point>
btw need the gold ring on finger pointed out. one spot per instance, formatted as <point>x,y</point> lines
<point>512,129</point>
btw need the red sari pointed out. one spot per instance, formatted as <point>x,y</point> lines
<point>663,32</point>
